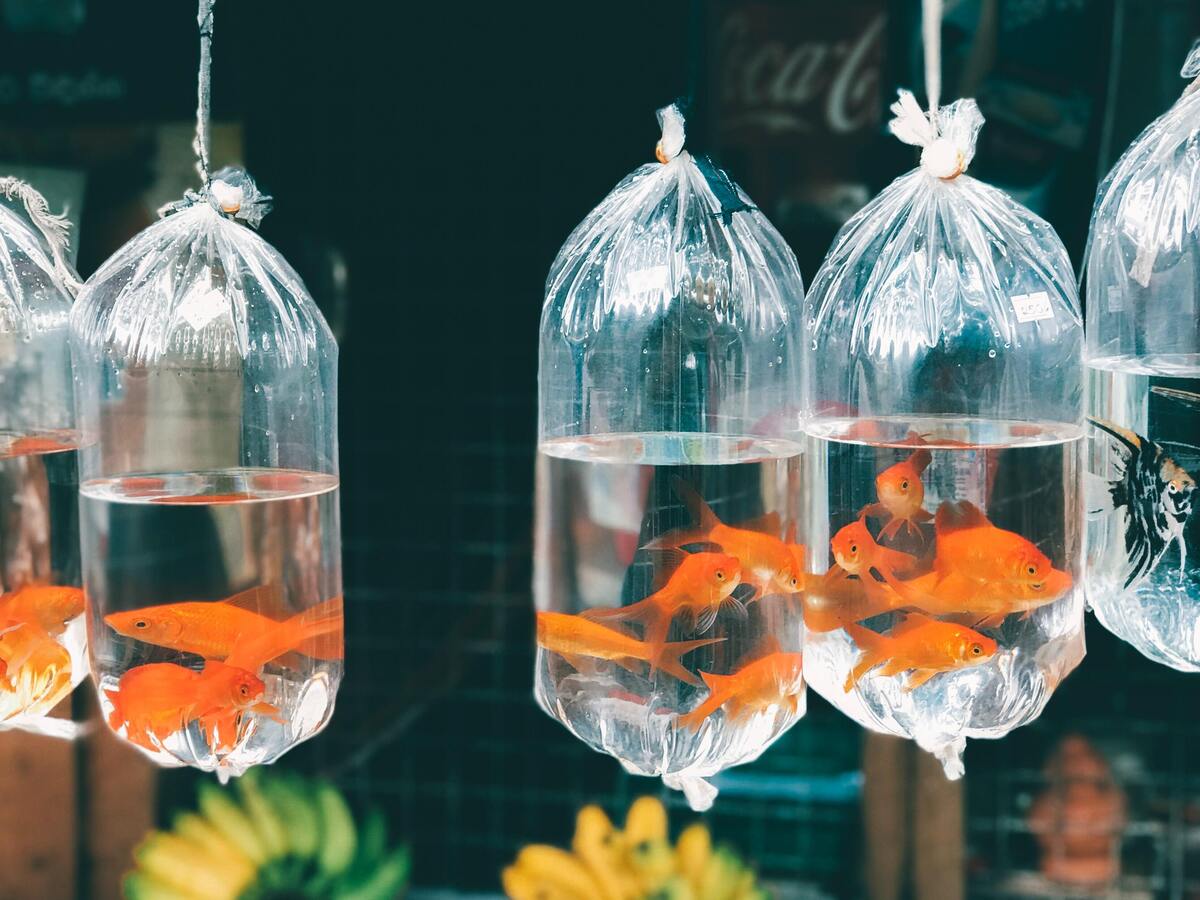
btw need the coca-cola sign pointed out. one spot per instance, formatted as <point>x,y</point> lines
<point>786,70</point>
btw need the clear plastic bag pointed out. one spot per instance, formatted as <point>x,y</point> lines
<point>1142,273</point>
<point>42,646</point>
<point>944,406</point>
<point>206,387</point>
<point>669,632</point>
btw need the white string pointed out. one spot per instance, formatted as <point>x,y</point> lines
<point>204,80</point>
<point>931,21</point>
<point>55,229</point>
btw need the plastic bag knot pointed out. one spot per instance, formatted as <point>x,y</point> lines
<point>232,193</point>
<point>1191,69</point>
<point>947,139</point>
<point>670,145</point>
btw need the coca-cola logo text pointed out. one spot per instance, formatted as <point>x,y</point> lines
<point>784,86</point>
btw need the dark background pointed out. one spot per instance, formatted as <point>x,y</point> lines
<point>445,151</point>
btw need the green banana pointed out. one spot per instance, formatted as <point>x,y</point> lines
<point>384,883</point>
<point>262,814</point>
<point>297,812</point>
<point>137,885</point>
<point>339,836</point>
<point>227,817</point>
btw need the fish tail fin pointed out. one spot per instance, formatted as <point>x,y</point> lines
<point>874,651</point>
<point>321,630</point>
<point>920,460</point>
<point>958,515</point>
<point>705,518</point>
<point>667,657</point>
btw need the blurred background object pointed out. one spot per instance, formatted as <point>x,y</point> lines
<point>428,161</point>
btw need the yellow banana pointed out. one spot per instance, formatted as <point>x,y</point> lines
<point>520,885</point>
<point>602,849</point>
<point>561,869</point>
<point>186,867</point>
<point>692,852</point>
<point>198,830</point>
<point>649,851</point>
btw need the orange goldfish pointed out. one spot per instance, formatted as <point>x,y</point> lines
<point>35,444</point>
<point>767,562</point>
<point>37,671</point>
<point>901,494</point>
<point>700,586</point>
<point>200,499</point>
<point>574,637</point>
<point>774,680</point>
<point>832,602</point>
<point>49,606</point>
<point>156,700</point>
<point>982,604</point>
<point>857,553</point>
<point>971,546</point>
<point>924,646</point>
<point>213,628</point>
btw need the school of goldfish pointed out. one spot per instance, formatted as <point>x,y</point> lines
<point>35,667</point>
<point>154,701</point>
<point>967,578</point>
<point>700,587</point>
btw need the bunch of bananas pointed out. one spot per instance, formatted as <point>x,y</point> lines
<point>605,863</point>
<point>278,835</point>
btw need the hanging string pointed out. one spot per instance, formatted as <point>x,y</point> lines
<point>204,82</point>
<point>55,229</point>
<point>931,28</point>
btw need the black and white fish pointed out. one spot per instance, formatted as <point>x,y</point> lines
<point>1156,493</point>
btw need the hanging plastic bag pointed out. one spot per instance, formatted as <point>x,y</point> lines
<point>666,569</point>
<point>1143,288</point>
<point>42,646</point>
<point>945,424</point>
<point>206,389</point>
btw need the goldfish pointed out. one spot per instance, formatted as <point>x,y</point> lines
<point>701,585</point>
<point>213,499</point>
<point>982,604</point>
<point>49,606</point>
<point>924,646</point>
<point>212,628</point>
<point>156,700</point>
<point>773,680</point>
<point>901,495</point>
<point>37,671</point>
<point>29,445</point>
<point>831,602</point>
<point>766,561</point>
<point>1155,492</point>
<point>857,553</point>
<point>970,545</point>
<point>574,638</point>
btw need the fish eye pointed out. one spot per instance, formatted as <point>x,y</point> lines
<point>720,575</point>
<point>795,581</point>
<point>904,485</point>
<point>1031,569</point>
<point>244,690</point>
<point>141,623</point>
<point>976,649</point>
<point>1172,488</point>
<point>854,548</point>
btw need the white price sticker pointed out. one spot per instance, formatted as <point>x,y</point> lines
<point>1032,307</point>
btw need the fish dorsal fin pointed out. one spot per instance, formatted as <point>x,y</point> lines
<point>667,562</point>
<point>700,510</point>
<point>920,460</point>
<point>768,523</point>
<point>1130,440</point>
<point>958,515</point>
<point>790,537</point>
<point>1187,398</point>
<point>264,599</point>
